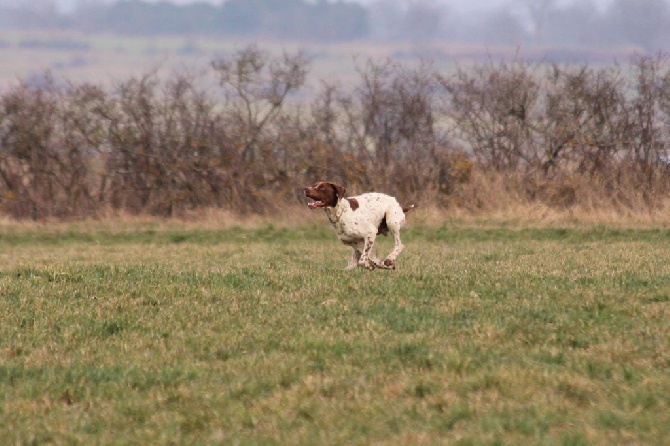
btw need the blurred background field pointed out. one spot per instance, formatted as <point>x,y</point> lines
<point>99,40</point>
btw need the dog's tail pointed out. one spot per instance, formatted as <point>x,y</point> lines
<point>406,209</point>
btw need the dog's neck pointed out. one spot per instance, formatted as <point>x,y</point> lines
<point>335,213</point>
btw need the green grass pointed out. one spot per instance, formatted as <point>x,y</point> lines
<point>257,336</point>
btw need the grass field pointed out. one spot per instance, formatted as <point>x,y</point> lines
<point>484,335</point>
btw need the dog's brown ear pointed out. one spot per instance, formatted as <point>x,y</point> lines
<point>340,191</point>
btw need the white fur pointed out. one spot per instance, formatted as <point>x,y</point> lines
<point>358,227</point>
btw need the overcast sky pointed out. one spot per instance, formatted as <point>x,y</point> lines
<point>68,5</point>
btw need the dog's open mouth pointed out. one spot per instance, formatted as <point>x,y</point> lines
<point>317,200</point>
<point>316,204</point>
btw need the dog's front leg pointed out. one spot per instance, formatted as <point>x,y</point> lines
<point>366,257</point>
<point>355,257</point>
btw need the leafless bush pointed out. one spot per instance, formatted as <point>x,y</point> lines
<point>393,128</point>
<point>611,126</point>
<point>314,145</point>
<point>600,123</point>
<point>585,119</point>
<point>165,147</point>
<point>492,109</point>
<point>559,135</point>
<point>256,87</point>
<point>49,138</point>
<point>649,140</point>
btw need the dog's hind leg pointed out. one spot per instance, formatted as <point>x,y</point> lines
<point>389,262</point>
<point>395,221</point>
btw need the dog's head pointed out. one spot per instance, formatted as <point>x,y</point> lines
<point>324,194</point>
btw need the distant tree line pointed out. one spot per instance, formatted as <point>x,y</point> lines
<point>478,137</point>
<point>644,24</point>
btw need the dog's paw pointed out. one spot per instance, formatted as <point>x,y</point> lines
<point>368,264</point>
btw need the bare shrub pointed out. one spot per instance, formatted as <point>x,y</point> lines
<point>606,124</point>
<point>163,153</point>
<point>648,143</point>
<point>585,119</point>
<point>491,109</point>
<point>478,138</point>
<point>314,145</point>
<point>393,127</point>
<point>600,123</point>
<point>256,88</point>
<point>49,138</point>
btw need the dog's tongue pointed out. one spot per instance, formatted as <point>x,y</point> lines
<point>315,204</point>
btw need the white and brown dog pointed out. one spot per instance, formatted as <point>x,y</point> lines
<point>358,220</point>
